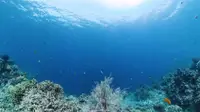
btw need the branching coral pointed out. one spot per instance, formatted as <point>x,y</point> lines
<point>105,99</point>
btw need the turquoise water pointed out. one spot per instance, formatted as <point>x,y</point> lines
<point>132,52</point>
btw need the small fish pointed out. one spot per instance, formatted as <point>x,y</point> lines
<point>39,61</point>
<point>167,100</point>
<point>35,52</point>
<point>84,73</point>
<point>150,77</point>
<point>196,17</point>
<point>101,71</point>
<point>181,2</point>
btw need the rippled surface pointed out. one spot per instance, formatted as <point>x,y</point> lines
<point>81,14</point>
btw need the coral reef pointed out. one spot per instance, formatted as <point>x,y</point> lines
<point>46,97</point>
<point>142,93</point>
<point>173,108</point>
<point>17,92</point>
<point>8,70</point>
<point>153,102</point>
<point>20,94</point>
<point>195,64</point>
<point>183,87</point>
<point>104,98</point>
<point>6,104</point>
<point>159,108</point>
<point>4,63</point>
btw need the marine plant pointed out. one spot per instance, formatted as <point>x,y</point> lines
<point>104,98</point>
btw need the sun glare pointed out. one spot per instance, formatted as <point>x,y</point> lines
<point>121,4</point>
<point>107,10</point>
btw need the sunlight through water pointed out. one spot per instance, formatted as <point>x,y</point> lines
<point>104,12</point>
<point>121,4</point>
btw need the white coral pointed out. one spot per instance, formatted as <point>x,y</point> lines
<point>104,98</point>
<point>46,97</point>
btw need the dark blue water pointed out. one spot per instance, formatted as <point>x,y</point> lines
<point>75,57</point>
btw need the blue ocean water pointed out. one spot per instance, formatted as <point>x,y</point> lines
<point>75,57</point>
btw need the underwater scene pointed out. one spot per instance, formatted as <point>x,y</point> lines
<point>99,56</point>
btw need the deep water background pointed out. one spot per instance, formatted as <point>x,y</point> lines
<point>74,57</point>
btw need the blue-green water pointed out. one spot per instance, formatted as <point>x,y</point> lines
<point>133,52</point>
